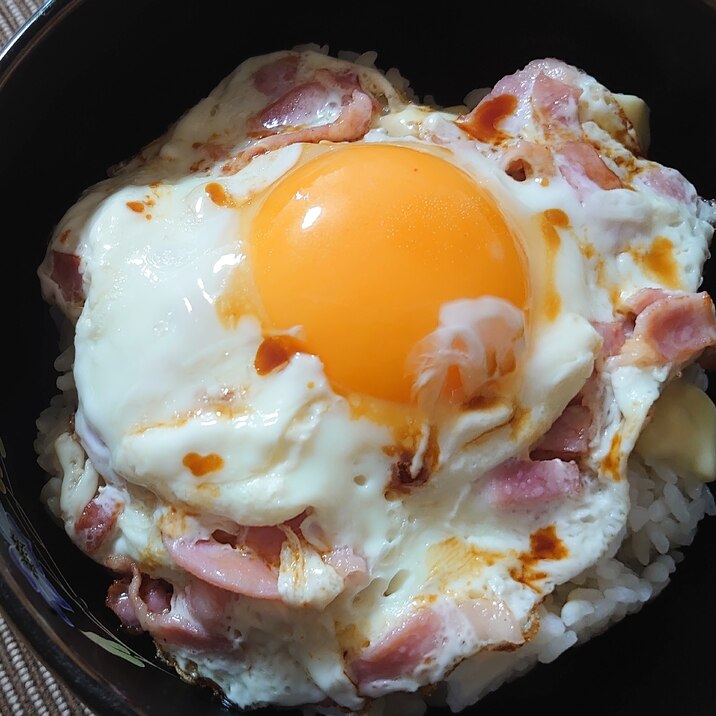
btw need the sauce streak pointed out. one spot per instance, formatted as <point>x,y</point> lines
<point>544,544</point>
<point>482,122</point>
<point>218,194</point>
<point>200,465</point>
<point>274,353</point>
<point>552,218</point>
<point>659,262</point>
<point>612,462</point>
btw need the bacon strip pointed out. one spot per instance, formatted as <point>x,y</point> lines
<point>66,274</point>
<point>241,571</point>
<point>275,78</point>
<point>354,121</point>
<point>677,328</point>
<point>555,103</point>
<point>98,520</point>
<point>296,106</point>
<point>248,562</point>
<point>524,483</point>
<point>546,97</point>
<point>400,651</point>
<point>568,437</point>
<point>614,335</point>
<point>120,602</point>
<point>643,298</point>
<point>580,164</point>
<point>670,183</point>
<point>190,618</point>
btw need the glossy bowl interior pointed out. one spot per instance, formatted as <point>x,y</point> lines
<point>88,82</point>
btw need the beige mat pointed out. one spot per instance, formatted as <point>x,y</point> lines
<point>27,688</point>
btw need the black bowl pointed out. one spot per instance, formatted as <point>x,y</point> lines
<point>88,82</point>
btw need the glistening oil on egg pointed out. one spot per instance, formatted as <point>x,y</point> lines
<point>380,377</point>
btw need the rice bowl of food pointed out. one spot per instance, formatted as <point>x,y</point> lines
<point>366,402</point>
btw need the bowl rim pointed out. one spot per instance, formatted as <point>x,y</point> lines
<point>31,33</point>
<point>22,618</point>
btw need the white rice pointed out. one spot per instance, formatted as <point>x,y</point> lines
<point>663,519</point>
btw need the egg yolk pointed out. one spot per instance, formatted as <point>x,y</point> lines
<point>362,244</point>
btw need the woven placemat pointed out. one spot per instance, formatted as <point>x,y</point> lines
<point>27,688</point>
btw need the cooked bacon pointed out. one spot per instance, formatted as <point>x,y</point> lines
<point>156,594</point>
<point>568,437</point>
<point>668,182</point>
<point>247,562</point>
<point>304,103</point>
<point>521,83</point>
<point>237,570</point>
<point>527,483</point>
<point>297,107</point>
<point>118,563</point>
<point>190,618</point>
<point>206,603</point>
<point>546,94</point>
<point>407,645</point>
<point>98,519</point>
<point>401,650</point>
<point>265,542</point>
<point>661,327</point>
<point>555,104</point>
<point>124,598</point>
<point>120,602</point>
<point>354,120</point>
<point>644,297</point>
<point>547,101</point>
<point>66,274</point>
<point>614,334</point>
<point>676,329</point>
<point>275,78</point>
<point>580,164</point>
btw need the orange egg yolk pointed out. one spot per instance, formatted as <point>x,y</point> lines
<point>362,244</point>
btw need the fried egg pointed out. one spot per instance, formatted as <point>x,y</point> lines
<point>347,398</point>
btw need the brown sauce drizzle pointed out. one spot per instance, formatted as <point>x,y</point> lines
<point>482,122</point>
<point>552,218</point>
<point>200,465</point>
<point>612,461</point>
<point>401,478</point>
<point>544,544</point>
<point>659,262</point>
<point>218,194</point>
<point>275,352</point>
